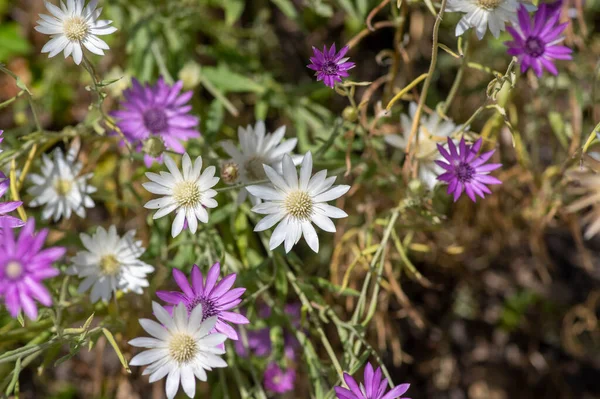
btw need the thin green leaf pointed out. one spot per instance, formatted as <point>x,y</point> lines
<point>113,343</point>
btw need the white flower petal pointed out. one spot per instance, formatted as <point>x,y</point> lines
<point>177,225</point>
<point>306,171</point>
<point>269,221</point>
<point>289,172</point>
<point>311,237</point>
<point>332,194</point>
<point>188,381</point>
<point>172,383</point>
<point>147,357</point>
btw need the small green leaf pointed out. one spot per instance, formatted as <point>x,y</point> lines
<point>21,85</point>
<point>233,10</point>
<point>113,343</point>
<point>286,7</point>
<point>20,319</point>
<point>226,80</point>
<point>87,323</point>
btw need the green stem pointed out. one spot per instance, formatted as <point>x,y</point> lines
<point>432,65</point>
<point>457,79</point>
<point>315,319</point>
<point>591,138</point>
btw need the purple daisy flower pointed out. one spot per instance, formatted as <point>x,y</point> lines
<point>5,207</point>
<point>536,44</point>
<point>216,299</point>
<point>329,66</point>
<point>23,266</point>
<point>374,387</point>
<point>278,380</point>
<point>466,171</point>
<point>159,110</point>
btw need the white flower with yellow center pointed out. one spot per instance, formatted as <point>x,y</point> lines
<point>296,202</point>
<point>188,194</point>
<point>481,14</point>
<point>60,188</point>
<point>258,148</point>
<point>110,263</point>
<point>73,25</point>
<point>432,130</point>
<point>182,348</point>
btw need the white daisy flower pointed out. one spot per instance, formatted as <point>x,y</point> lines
<point>73,25</point>
<point>182,348</point>
<point>188,194</point>
<point>60,188</point>
<point>481,14</point>
<point>295,202</point>
<point>258,148</point>
<point>432,130</point>
<point>110,263</point>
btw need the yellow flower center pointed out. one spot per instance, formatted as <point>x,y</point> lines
<point>299,204</point>
<point>75,29</point>
<point>182,348</point>
<point>254,169</point>
<point>187,194</point>
<point>13,269</point>
<point>109,265</point>
<point>489,4</point>
<point>63,186</point>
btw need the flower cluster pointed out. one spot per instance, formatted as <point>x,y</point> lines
<point>535,43</point>
<point>156,122</point>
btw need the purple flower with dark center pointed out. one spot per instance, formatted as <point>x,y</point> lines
<point>5,207</point>
<point>374,387</point>
<point>278,380</point>
<point>23,266</point>
<point>536,44</point>
<point>159,110</point>
<point>329,66</point>
<point>466,171</point>
<point>216,299</point>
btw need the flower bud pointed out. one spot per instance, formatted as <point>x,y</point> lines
<point>190,75</point>
<point>229,172</point>
<point>416,187</point>
<point>350,114</point>
<point>153,146</point>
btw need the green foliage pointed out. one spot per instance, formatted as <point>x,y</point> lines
<point>13,43</point>
<point>405,251</point>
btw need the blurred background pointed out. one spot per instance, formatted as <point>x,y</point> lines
<point>493,300</point>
